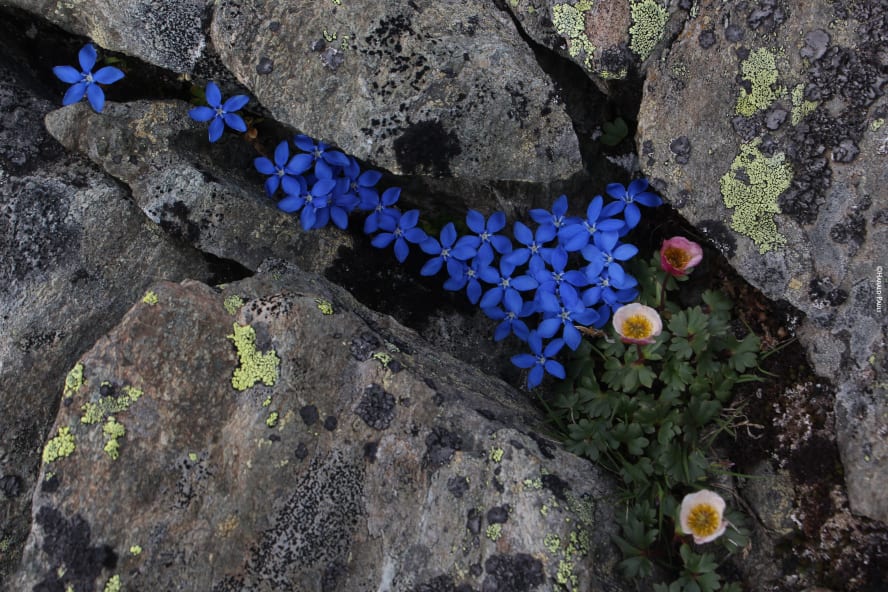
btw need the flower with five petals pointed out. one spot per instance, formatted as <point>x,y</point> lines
<point>84,81</point>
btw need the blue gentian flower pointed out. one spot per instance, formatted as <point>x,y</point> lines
<point>576,236</point>
<point>505,287</point>
<point>380,207</point>
<point>295,195</point>
<point>344,202</point>
<point>610,294</point>
<point>462,248</point>
<point>326,160</point>
<point>487,231</point>
<point>466,274</point>
<point>540,359</point>
<point>551,278</point>
<point>635,194</point>
<point>400,230</point>
<point>604,254</point>
<point>572,311</point>
<point>220,114</point>
<point>510,322</point>
<point>84,82</point>
<point>534,248</point>
<point>282,167</point>
<point>316,210</point>
<point>557,218</point>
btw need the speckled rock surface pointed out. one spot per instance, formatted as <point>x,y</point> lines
<point>170,34</point>
<point>208,195</point>
<point>354,458</point>
<point>764,127</point>
<point>404,85</point>
<point>74,254</point>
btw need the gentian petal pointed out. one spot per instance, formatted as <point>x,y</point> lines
<point>339,217</point>
<point>401,250</point>
<point>281,155</point>
<point>475,221</point>
<point>87,57</point>
<point>235,122</point>
<point>291,203</point>
<point>108,75</point>
<point>369,178</point>
<point>213,94</point>
<point>299,164</point>
<point>67,74</point>
<point>473,291</point>
<point>390,196</point>
<point>432,266</point>
<point>496,222</point>
<point>96,97</point>
<point>201,114</point>
<point>535,377</point>
<point>271,184</point>
<point>382,240</point>
<point>336,158</point>
<point>235,103</point>
<point>448,234</point>
<point>555,369</point>
<point>524,360</point>
<point>216,128</point>
<point>74,93</point>
<point>264,166</point>
<point>304,143</point>
<point>501,243</point>
<point>637,186</point>
<point>632,215</point>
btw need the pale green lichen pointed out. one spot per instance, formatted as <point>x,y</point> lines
<point>60,446</point>
<point>552,543</point>
<point>565,575</point>
<point>266,402</point>
<point>113,584</point>
<point>110,405</point>
<point>325,306</point>
<point>648,24</point>
<point>135,550</point>
<point>760,71</point>
<point>150,298</point>
<point>751,187</point>
<point>877,123</point>
<point>232,304</point>
<point>254,366</point>
<point>496,454</point>
<point>192,456</point>
<point>272,419</point>
<point>113,432</point>
<point>801,107</point>
<point>570,22</point>
<point>73,381</point>
<point>494,532</point>
<point>383,358</point>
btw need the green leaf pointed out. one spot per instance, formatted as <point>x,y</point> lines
<point>678,324</point>
<point>614,131</point>
<point>717,301</point>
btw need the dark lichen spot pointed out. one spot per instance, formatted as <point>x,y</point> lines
<point>376,407</point>
<point>370,451</point>
<point>442,583</point>
<point>330,423</point>
<point>440,446</point>
<point>458,486</point>
<point>706,39</point>
<point>734,33</point>
<point>767,16</point>
<point>546,447</point>
<point>473,521</point>
<point>265,66</point>
<point>427,148</point>
<point>816,43</point>
<point>512,573</point>
<point>332,573</point>
<point>719,236</point>
<point>823,290</point>
<point>11,486</point>
<point>174,219</point>
<point>301,452</point>
<point>363,346</point>
<point>775,117</point>
<point>309,415</point>
<point>558,486</point>
<point>846,151</point>
<point>852,230</point>
<point>50,484</point>
<point>69,543</point>
<point>681,148</point>
<point>498,515</point>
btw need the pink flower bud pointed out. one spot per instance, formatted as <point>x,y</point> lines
<point>678,256</point>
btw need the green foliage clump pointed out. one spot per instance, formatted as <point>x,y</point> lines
<point>650,414</point>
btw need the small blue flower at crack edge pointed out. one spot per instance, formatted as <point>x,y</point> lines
<point>220,114</point>
<point>283,167</point>
<point>461,248</point>
<point>84,81</point>
<point>399,229</point>
<point>540,360</point>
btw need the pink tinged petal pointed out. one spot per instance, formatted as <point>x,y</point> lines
<point>201,114</point>
<point>213,94</point>
<point>235,122</point>
<point>108,75</point>
<point>96,97</point>
<point>87,57</point>
<point>235,103</point>
<point>67,74</point>
<point>74,94</point>
<point>216,129</point>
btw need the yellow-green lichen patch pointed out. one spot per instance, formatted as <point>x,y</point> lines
<point>113,584</point>
<point>325,306</point>
<point>60,446</point>
<point>570,23</point>
<point>113,432</point>
<point>73,381</point>
<point>494,532</point>
<point>135,550</point>
<point>233,304</point>
<point>109,405</point>
<point>254,366</point>
<point>266,402</point>
<point>496,454</point>
<point>272,419</point>
<point>383,358</point>
<point>192,456</point>
<point>648,24</point>
<point>800,106</point>
<point>150,298</point>
<point>751,188</point>
<point>552,543</point>
<point>760,71</point>
<point>877,123</point>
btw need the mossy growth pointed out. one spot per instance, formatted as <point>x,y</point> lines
<point>113,432</point>
<point>73,381</point>
<point>254,366</point>
<point>113,584</point>
<point>648,24</point>
<point>325,306</point>
<point>800,106</point>
<point>232,304</point>
<point>496,454</point>
<point>60,446</point>
<point>272,419</point>
<point>109,405</point>
<point>570,23</point>
<point>494,532</point>
<point>150,298</point>
<point>760,71</point>
<point>751,187</point>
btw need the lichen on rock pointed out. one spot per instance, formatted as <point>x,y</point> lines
<point>254,366</point>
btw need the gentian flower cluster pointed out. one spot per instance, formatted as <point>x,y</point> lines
<point>84,81</point>
<point>540,283</point>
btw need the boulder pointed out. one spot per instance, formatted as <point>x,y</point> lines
<point>763,126</point>
<point>278,435</point>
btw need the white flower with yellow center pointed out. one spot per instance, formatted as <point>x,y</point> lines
<point>701,516</point>
<point>637,323</point>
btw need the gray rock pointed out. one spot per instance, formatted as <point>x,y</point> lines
<point>797,204</point>
<point>74,254</point>
<point>425,473</point>
<point>442,89</point>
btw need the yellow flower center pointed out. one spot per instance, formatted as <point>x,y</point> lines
<point>703,520</point>
<point>677,258</point>
<point>637,327</point>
